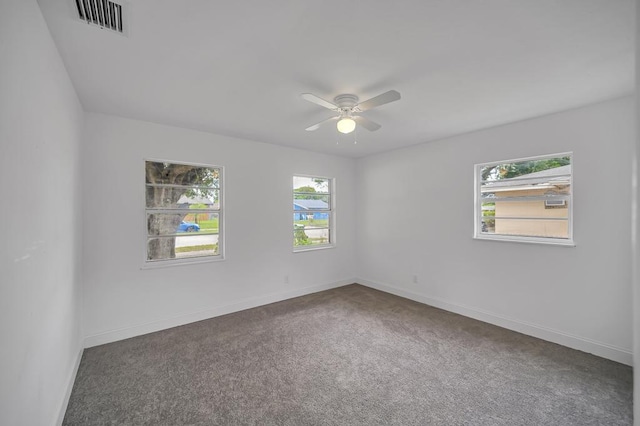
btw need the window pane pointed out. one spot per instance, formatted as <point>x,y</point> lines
<point>159,224</point>
<point>311,219</point>
<point>184,246</point>
<point>528,169</point>
<point>196,245</point>
<point>311,228</point>
<point>182,198</point>
<point>181,174</point>
<point>303,202</point>
<point>310,184</point>
<point>303,236</point>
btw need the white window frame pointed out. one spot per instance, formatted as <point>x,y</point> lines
<point>331,210</point>
<point>477,211</point>
<point>162,263</point>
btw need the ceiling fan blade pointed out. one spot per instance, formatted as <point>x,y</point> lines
<point>318,101</point>
<point>317,125</point>
<point>382,99</point>
<point>372,126</point>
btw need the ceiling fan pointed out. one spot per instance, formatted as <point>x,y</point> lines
<point>348,106</point>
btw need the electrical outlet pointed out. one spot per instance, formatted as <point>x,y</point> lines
<point>415,279</point>
<point>286,279</point>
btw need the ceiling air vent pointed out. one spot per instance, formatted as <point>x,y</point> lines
<point>103,13</point>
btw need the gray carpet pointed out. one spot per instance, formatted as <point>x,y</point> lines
<point>348,356</point>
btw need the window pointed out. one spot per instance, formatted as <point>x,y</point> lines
<point>313,213</point>
<point>527,199</point>
<point>183,212</point>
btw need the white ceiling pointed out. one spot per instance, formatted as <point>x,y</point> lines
<point>238,68</point>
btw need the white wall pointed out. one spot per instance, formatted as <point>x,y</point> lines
<point>40,221</point>
<point>123,300</point>
<point>416,206</point>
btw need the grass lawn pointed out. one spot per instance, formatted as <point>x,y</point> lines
<point>209,225</point>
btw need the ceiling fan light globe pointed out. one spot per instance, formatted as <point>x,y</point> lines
<point>346,125</point>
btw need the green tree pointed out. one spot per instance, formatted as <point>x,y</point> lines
<point>301,194</point>
<point>511,170</point>
<point>300,238</point>
<point>306,189</point>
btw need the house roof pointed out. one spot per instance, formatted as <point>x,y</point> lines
<point>310,204</point>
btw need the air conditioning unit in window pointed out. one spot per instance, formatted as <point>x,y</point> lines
<point>550,204</point>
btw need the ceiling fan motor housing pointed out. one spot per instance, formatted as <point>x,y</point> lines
<point>346,101</point>
<point>346,104</point>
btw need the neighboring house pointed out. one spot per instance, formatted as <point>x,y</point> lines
<point>186,202</point>
<point>195,202</point>
<point>541,212</point>
<point>303,207</point>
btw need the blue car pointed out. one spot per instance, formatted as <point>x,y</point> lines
<point>188,227</point>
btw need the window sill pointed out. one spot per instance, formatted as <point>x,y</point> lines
<point>526,240</point>
<point>180,262</point>
<point>307,248</point>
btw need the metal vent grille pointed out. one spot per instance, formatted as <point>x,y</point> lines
<point>104,13</point>
<point>549,204</point>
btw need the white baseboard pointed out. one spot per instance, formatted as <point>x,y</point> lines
<point>600,349</point>
<point>70,381</point>
<point>138,330</point>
